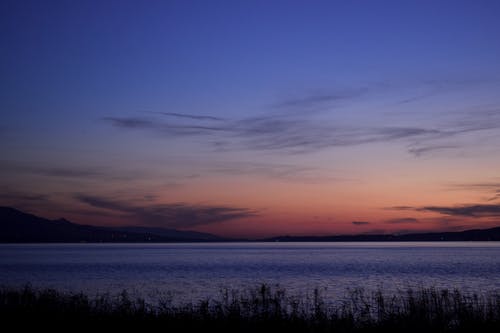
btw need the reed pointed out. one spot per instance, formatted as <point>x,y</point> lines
<point>262,309</point>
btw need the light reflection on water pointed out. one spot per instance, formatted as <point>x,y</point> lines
<point>192,271</point>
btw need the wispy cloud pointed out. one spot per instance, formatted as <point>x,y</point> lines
<point>496,196</point>
<point>301,132</point>
<point>478,210</point>
<point>296,135</point>
<point>490,187</point>
<point>360,223</point>
<point>176,215</point>
<point>480,186</point>
<point>421,150</point>
<point>164,128</point>
<point>315,100</point>
<point>430,88</point>
<point>187,116</point>
<point>400,208</point>
<point>21,197</point>
<point>278,133</point>
<point>471,210</point>
<point>404,220</point>
<point>25,199</point>
<point>67,171</point>
<point>286,172</point>
<point>415,98</point>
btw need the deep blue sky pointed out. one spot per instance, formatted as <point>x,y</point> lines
<point>331,94</point>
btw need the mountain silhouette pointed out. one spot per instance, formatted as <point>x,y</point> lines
<point>20,227</point>
<point>492,234</point>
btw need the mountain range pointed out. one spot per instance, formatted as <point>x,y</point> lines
<point>20,227</point>
<point>492,234</point>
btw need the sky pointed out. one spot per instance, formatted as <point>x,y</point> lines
<point>253,118</point>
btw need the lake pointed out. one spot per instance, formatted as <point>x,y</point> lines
<point>192,271</point>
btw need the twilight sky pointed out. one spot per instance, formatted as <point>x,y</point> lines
<point>253,118</point>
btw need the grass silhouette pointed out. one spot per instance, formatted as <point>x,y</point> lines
<point>262,309</point>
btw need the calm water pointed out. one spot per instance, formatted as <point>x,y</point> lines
<point>191,271</point>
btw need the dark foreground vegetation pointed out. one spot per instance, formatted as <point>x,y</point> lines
<point>264,309</point>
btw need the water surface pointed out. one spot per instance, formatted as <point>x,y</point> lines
<point>192,271</point>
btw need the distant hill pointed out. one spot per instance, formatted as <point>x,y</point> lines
<point>19,227</point>
<point>492,234</point>
<point>170,233</point>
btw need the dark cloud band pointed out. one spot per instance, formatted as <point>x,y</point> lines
<point>175,215</point>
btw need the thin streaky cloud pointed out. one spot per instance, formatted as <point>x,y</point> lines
<point>299,134</point>
<point>491,187</point>
<point>187,116</point>
<point>470,210</point>
<point>16,196</point>
<point>495,197</point>
<point>421,150</point>
<point>314,100</point>
<point>431,88</point>
<point>360,223</point>
<point>285,172</point>
<point>277,133</point>
<point>414,98</point>
<point>400,208</point>
<point>163,128</point>
<point>130,122</point>
<point>175,215</point>
<point>67,171</point>
<point>404,220</point>
<point>478,210</point>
